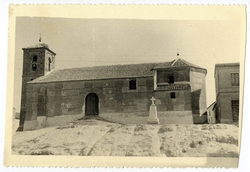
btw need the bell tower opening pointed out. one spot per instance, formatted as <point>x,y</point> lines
<point>34,63</point>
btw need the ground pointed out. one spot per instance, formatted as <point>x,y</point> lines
<point>95,137</point>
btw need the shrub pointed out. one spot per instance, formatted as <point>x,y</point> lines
<point>129,154</point>
<point>169,153</point>
<point>165,129</point>
<point>192,144</point>
<point>111,130</point>
<point>43,152</point>
<point>230,140</point>
<point>140,128</point>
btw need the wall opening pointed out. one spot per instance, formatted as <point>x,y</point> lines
<point>171,79</point>
<point>235,79</point>
<point>34,63</point>
<point>49,64</point>
<point>91,104</point>
<point>132,84</point>
<point>235,110</point>
<point>172,95</point>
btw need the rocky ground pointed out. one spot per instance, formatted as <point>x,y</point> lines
<point>93,137</point>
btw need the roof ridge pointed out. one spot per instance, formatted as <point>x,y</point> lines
<point>174,61</point>
<point>100,72</point>
<point>84,67</point>
<point>104,72</point>
<point>191,64</point>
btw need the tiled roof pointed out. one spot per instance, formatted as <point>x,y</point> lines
<point>39,45</point>
<point>98,72</point>
<point>102,72</point>
<point>176,63</point>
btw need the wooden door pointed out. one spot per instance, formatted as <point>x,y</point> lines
<point>91,107</point>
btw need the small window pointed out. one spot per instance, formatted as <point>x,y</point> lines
<point>49,63</point>
<point>171,79</point>
<point>172,95</point>
<point>235,79</point>
<point>132,84</point>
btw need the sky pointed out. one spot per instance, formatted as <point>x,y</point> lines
<point>96,42</point>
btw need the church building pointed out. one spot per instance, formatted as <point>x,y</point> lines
<point>117,93</point>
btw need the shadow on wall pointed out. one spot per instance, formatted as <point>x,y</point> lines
<point>200,119</point>
<point>195,104</point>
<point>195,99</point>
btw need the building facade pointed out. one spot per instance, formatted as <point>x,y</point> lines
<point>227,82</point>
<point>118,93</point>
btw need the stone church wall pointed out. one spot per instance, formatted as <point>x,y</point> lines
<point>68,98</point>
<point>181,102</point>
<point>66,101</point>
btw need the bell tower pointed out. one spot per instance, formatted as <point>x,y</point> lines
<point>38,60</point>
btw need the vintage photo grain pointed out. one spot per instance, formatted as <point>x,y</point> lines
<point>111,85</point>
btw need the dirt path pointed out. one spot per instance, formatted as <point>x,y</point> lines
<point>100,138</point>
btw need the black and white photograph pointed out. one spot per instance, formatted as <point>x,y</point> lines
<point>128,87</point>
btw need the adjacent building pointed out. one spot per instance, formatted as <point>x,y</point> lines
<point>227,82</point>
<point>118,93</point>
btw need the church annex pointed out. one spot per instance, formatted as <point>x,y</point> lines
<point>118,93</point>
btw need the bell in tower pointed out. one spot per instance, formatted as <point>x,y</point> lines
<point>37,61</point>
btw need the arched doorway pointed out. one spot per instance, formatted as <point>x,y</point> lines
<point>91,105</point>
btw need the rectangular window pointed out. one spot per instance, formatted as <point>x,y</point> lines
<point>235,110</point>
<point>132,84</point>
<point>172,95</point>
<point>235,79</point>
<point>171,79</point>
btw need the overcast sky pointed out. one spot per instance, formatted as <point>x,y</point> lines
<point>92,42</point>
